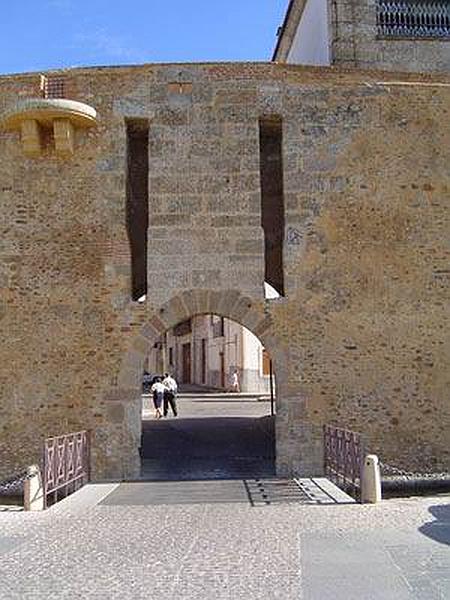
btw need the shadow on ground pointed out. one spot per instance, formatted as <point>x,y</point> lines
<point>439,529</point>
<point>208,448</point>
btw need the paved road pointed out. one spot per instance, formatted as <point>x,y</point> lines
<point>219,405</point>
<point>104,544</point>
<point>211,439</point>
<point>81,548</point>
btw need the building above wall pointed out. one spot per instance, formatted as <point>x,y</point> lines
<point>287,31</point>
<point>394,35</point>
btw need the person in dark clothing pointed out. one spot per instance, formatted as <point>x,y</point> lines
<point>170,394</point>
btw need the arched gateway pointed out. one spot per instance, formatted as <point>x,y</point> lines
<point>255,316</point>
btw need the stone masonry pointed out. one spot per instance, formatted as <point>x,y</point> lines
<point>361,338</point>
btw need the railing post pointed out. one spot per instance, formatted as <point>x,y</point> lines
<point>45,468</point>
<point>33,491</point>
<point>88,454</point>
<point>371,480</point>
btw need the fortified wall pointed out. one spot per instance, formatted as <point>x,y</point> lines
<point>186,187</point>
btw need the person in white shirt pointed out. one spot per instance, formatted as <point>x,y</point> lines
<point>157,390</point>
<point>170,394</point>
<point>234,382</point>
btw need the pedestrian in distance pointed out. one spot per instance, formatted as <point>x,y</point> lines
<point>157,391</point>
<point>235,385</point>
<point>170,394</point>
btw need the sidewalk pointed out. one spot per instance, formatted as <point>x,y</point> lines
<point>397,550</point>
<point>213,405</point>
<point>189,394</point>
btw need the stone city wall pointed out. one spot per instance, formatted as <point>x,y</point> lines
<point>361,338</point>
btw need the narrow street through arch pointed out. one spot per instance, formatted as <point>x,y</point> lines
<point>221,449</point>
<point>216,436</point>
<point>222,425</point>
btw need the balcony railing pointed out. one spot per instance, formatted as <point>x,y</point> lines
<point>413,18</point>
<point>53,87</point>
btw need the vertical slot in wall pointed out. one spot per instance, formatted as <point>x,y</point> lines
<point>272,198</point>
<point>137,203</point>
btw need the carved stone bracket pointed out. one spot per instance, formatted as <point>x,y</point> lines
<point>31,115</point>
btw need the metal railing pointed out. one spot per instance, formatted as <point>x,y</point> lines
<point>413,18</point>
<point>344,459</point>
<point>66,465</point>
<point>53,86</point>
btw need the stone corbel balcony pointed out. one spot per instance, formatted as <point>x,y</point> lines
<point>32,115</point>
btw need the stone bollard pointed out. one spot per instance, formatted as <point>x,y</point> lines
<point>33,492</point>
<point>371,480</point>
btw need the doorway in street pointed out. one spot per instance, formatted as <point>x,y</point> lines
<point>203,361</point>
<point>186,363</point>
<point>222,369</point>
<point>220,431</point>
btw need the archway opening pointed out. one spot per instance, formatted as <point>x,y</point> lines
<point>221,423</point>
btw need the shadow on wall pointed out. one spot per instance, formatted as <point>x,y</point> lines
<point>439,529</point>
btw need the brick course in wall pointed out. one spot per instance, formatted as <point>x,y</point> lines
<point>361,338</point>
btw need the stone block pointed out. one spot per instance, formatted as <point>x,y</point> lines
<point>263,326</point>
<point>200,297</point>
<point>121,394</point>
<point>140,343</point>
<point>63,133</point>
<point>130,375</point>
<point>227,301</point>
<point>214,301</point>
<point>254,246</point>
<point>242,308</point>
<point>115,412</point>
<point>31,138</point>
<point>206,278</point>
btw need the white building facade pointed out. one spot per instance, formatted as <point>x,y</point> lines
<point>391,35</point>
<point>207,349</point>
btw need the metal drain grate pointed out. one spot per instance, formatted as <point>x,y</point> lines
<point>277,491</point>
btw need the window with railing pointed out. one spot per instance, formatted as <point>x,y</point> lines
<point>52,86</point>
<point>413,18</point>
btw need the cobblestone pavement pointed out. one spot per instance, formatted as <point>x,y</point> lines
<point>90,547</point>
<point>82,549</point>
<point>212,438</point>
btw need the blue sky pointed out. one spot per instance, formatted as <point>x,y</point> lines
<point>45,34</point>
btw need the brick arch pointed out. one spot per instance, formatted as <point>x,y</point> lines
<point>231,304</point>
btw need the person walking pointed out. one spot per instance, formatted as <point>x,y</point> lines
<point>235,385</point>
<point>157,390</point>
<point>170,394</point>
